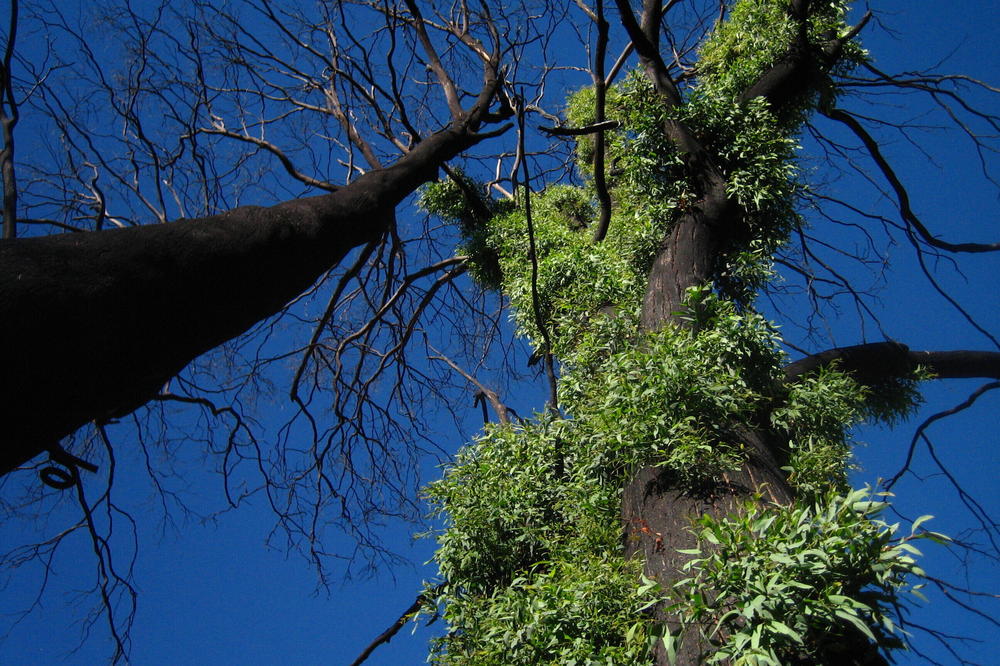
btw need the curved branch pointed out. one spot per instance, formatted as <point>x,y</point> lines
<point>645,40</point>
<point>289,167</point>
<point>902,195</point>
<point>482,392</point>
<point>988,525</point>
<point>787,78</point>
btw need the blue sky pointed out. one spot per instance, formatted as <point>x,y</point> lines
<point>214,592</point>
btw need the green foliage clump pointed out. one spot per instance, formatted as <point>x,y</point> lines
<point>798,583</point>
<point>751,149</point>
<point>584,611</point>
<point>531,549</point>
<point>499,498</point>
<point>675,399</point>
<point>814,418</point>
<point>759,33</point>
<point>531,553</point>
<point>755,35</point>
<point>575,276</point>
<point>462,202</point>
<point>580,112</point>
<point>890,400</point>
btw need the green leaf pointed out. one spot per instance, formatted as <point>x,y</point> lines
<point>919,521</point>
<point>783,628</point>
<point>856,621</point>
<point>670,646</point>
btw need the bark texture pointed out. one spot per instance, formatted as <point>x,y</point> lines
<point>94,324</point>
<point>689,257</point>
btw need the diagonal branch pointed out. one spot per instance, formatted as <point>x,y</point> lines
<point>902,196</point>
<point>581,131</point>
<point>434,62</point>
<point>922,428</point>
<point>482,391</point>
<point>388,634</point>
<point>645,40</point>
<point>788,77</point>
<point>220,129</point>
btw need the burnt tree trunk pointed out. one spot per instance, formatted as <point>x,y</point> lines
<point>93,324</point>
<point>689,257</point>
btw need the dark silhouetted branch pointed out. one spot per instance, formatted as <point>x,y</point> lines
<point>388,634</point>
<point>902,196</point>
<point>581,131</point>
<point>889,360</point>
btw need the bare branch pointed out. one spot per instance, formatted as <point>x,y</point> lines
<point>8,120</point>
<point>902,196</point>
<point>244,136</point>
<point>388,634</point>
<point>483,393</point>
<point>646,43</point>
<point>434,62</point>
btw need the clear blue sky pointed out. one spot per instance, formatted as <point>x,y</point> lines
<point>214,593</point>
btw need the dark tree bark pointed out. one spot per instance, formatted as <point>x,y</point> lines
<point>688,257</point>
<point>95,323</point>
<point>880,361</point>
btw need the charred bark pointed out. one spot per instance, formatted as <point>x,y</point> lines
<point>94,324</point>
<point>880,361</point>
<point>654,501</point>
<point>689,257</point>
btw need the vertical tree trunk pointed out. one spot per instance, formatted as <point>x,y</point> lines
<point>689,257</point>
<point>653,499</point>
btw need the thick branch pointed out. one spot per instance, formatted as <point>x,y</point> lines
<point>95,323</point>
<point>962,364</point>
<point>645,40</point>
<point>879,361</point>
<point>794,74</point>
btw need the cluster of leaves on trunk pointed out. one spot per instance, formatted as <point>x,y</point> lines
<point>780,579</point>
<point>531,552</point>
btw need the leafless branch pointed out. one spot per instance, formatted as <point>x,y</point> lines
<point>902,195</point>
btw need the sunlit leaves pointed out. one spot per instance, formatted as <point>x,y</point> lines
<point>531,552</point>
<point>562,612</point>
<point>789,582</point>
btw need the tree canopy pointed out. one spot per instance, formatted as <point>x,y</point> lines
<point>286,245</point>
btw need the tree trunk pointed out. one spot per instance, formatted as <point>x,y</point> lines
<point>689,257</point>
<point>94,324</point>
